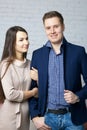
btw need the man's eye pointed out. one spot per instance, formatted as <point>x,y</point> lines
<point>48,28</point>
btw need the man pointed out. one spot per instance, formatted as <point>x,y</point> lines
<point>61,99</point>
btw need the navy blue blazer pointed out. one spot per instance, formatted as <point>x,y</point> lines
<point>75,65</point>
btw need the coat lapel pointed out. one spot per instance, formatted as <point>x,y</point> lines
<point>45,60</point>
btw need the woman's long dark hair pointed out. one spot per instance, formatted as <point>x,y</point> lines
<point>9,52</point>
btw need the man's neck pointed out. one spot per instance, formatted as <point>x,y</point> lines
<point>57,47</point>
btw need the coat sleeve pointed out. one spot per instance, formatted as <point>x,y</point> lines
<point>10,92</point>
<point>33,102</point>
<point>83,65</point>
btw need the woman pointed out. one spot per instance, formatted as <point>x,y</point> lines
<point>15,81</point>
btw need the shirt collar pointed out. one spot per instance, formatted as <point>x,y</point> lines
<point>48,44</point>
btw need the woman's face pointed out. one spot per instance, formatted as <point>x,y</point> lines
<point>22,43</point>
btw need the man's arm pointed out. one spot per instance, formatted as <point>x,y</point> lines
<point>82,94</point>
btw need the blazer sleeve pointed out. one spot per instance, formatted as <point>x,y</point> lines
<point>83,64</point>
<point>33,102</point>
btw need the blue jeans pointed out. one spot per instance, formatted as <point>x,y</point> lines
<point>61,122</point>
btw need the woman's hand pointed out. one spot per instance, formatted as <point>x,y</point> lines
<point>34,74</point>
<point>31,93</point>
<point>35,92</point>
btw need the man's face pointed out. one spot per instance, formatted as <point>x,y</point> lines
<point>54,30</point>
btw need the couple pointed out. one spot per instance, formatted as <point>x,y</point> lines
<point>56,70</point>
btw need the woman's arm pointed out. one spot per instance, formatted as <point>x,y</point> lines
<point>30,93</point>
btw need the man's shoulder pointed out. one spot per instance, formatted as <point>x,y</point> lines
<point>40,49</point>
<point>75,46</point>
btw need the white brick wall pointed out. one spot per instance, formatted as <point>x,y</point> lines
<point>28,13</point>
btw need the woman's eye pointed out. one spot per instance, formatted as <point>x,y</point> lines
<point>21,40</point>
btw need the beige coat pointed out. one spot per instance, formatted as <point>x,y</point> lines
<point>14,113</point>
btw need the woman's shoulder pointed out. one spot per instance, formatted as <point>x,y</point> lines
<point>3,63</point>
<point>3,66</point>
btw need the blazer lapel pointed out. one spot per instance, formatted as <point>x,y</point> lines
<point>65,61</point>
<point>45,59</point>
<point>67,66</point>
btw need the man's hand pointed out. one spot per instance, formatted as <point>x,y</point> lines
<point>70,97</point>
<point>39,123</point>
